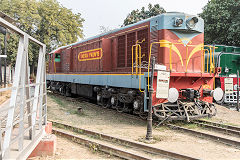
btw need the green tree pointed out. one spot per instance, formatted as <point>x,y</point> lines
<point>138,15</point>
<point>58,25</point>
<point>46,20</point>
<point>222,22</point>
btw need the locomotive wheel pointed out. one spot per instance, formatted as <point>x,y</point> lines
<point>120,109</point>
<point>105,103</point>
<point>114,101</point>
<point>99,99</point>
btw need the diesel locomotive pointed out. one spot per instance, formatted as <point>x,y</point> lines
<point>114,68</point>
<point>228,58</point>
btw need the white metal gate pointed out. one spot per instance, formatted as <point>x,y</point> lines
<point>231,98</point>
<point>24,115</point>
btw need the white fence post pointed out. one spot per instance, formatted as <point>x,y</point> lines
<point>36,92</point>
<point>16,80</point>
<point>21,98</point>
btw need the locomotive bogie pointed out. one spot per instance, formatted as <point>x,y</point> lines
<point>105,96</point>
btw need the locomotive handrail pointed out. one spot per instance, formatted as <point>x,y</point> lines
<point>170,55</point>
<point>186,57</point>
<point>201,60</point>
<point>137,58</point>
<point>213,62</point>
<point>207,58</point>
<point>140,69</point>
<point>210,58</point>
<point>150,53</point>
<point>201,46</point>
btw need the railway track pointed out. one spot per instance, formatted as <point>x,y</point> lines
<point>222,128</point>
<point>112,145</point>
<point>220,139</point>
<point>227,129</point>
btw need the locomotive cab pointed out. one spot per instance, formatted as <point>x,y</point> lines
<point>191,89</point>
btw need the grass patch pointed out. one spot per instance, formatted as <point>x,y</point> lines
<point>143,139</point>
<point>161,128</point>
<point>156,139</point>
<point>82,113</point>
<point>185,124</point>
<point>191,126</point>
<point>206,118</point>
<point>57,100</point>
<point>64,105</point>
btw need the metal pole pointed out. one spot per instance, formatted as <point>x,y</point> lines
<point>0,65</point>
<point>237,90</point>
<point>149,119</point>
<point>5,59</point>
<point>0,140</point>
<point>3,31</point>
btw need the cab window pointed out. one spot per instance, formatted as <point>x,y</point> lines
<point>57,57</point>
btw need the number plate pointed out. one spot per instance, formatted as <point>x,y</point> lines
<point>163,79</point>
<point>228,85</point>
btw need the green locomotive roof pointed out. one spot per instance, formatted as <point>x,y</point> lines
<point>227,49</point>
<point>226,57</point>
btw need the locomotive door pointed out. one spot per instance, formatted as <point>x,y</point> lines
<point>57,62</point>
<point>106,61</point>
<point>51,64</point>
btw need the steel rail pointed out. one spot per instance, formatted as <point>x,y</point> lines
<point>217,128</point>
<point>104,148</point>
<point>144,147</point>
<point>221,125</point>
<point>206,135</point>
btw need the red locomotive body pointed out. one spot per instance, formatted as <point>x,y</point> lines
<point>114,68</point>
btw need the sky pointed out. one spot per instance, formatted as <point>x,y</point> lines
<point>111,13</point>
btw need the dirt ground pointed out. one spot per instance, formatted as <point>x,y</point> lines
<point>111,122</point>
<point>5,95</point>
<point>225,115</point>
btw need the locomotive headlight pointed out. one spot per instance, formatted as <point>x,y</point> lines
<point>173,95</point>
<point>191,22</point>
<point>177,22</point>
<point>217,94</point>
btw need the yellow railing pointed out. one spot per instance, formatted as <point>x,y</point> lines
<point>210,58</point>
<point>171,46</point>
<point>150,54</point>
<point>138,60</point>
